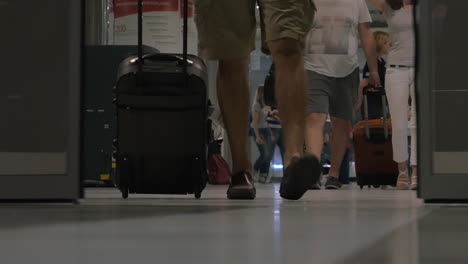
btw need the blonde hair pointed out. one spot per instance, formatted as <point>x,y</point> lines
<point>380,39</point>
<point>261,95</point>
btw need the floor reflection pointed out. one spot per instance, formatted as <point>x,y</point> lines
<point>439,237</point>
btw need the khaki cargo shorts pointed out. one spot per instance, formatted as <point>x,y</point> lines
<point>226,28</point>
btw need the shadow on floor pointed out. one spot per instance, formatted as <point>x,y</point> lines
<point>439,237</point>
<point>14,216</point>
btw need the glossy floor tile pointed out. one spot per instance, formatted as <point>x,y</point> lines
<point>343,226</point>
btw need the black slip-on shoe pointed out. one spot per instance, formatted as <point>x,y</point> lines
<point>241,186</point>
<point>299,176</point>
<point>332,183</point>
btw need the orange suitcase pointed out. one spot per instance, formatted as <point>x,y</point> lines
<point>373,150</point>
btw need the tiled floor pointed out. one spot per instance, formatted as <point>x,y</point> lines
<point>344,226</point>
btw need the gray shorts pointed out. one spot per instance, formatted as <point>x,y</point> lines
<point>334,96</point>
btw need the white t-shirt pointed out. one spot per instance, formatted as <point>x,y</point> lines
<point>332,43</point>
<point>400,25</point>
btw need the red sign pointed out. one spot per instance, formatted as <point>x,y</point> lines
<point>190,8</point>
<point>130,7</point>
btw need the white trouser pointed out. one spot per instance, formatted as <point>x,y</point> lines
<point>399,84</point>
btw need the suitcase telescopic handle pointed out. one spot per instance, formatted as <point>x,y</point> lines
<point>185,35</point>
<point>139,74</point>
<point>185,62</point>
<point>380,91</point>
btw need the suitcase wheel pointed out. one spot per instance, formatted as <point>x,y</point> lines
<point>362,186</point>
<point>197,191</point>
<point>125,193</point>
<point>122,173</point>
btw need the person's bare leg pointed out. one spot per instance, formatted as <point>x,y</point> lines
<point>290,90</point>
<point>233,97</point>
<point>402,166</point>
<point>339,139</point>
<point>315,123</point>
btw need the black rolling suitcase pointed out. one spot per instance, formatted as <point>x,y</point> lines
<point>161,111</point>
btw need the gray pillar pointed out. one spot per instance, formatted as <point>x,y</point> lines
<point>96,21</point>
